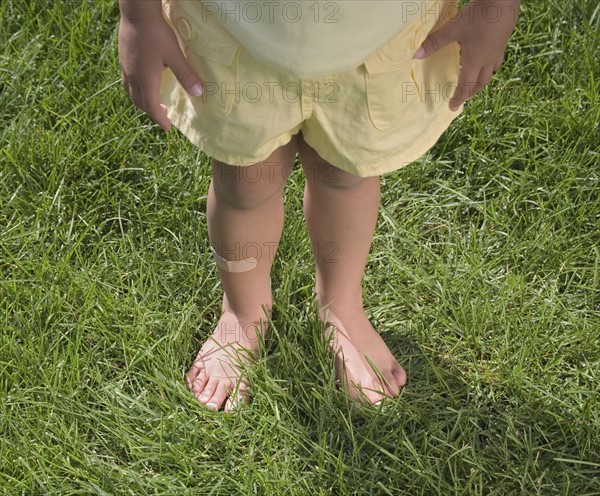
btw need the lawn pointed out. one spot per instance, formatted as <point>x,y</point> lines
<point>483,278</point>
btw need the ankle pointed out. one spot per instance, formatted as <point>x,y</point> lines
<point>249,313</point>
<point>250,310</point>
<point>339,303</point>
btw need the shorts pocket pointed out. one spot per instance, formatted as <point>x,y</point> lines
<point>390,85</point>
<point>211,51</point>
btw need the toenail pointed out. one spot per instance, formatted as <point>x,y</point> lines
<point>212,405</point>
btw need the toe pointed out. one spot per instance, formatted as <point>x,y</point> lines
<point>372,395</point>
<point>219,396</point>
<point>198,384</point>
<point>209,390</point>
<point>237,397</point>
<point>234,403</point>
<point>191,375</point>
<point>392,385</point>
<point>400,375</point>
<point>376,393</point>
<point>367,393</point>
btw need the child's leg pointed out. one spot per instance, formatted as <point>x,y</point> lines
<point>341,212</point>
<point>245,221</point>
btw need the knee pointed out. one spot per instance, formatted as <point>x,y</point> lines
<point>246,187</point>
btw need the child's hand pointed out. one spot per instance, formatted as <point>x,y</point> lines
<point>482,28</point>
<point>145,50</point>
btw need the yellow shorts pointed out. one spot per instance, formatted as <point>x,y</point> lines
<point>373,119</point>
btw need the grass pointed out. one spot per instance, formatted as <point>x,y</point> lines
<point>483,279</point>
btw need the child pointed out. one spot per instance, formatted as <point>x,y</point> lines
<point>357,89</point>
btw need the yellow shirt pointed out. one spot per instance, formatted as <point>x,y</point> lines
<point>314,38</point>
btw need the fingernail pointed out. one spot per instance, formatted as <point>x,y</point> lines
<point>196,90</point>
<point>419,53</point>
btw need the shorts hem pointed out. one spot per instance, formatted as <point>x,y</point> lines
<point>265,151</point>
<point>387,165</point>
<point>394,162</point>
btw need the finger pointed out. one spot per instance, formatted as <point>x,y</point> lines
<point>436,41</point>
<point>135,93</point>
<point>124,80</point>
<point>499,62</point>
<point>485,76</point>
<point>150,95</point>
<point>467,85</point>
<point>186,75</point>
<point>474,86</point>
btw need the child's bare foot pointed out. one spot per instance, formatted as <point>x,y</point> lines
<point>364,364</point>
<point>215,374</point>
